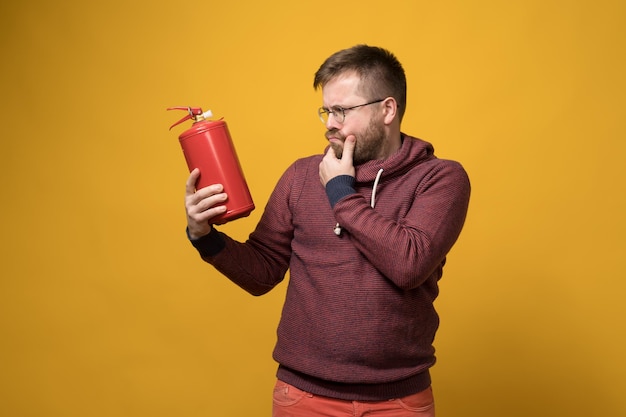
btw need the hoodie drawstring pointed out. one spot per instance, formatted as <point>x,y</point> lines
<point>373,200</point>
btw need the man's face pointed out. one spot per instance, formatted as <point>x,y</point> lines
<point>365,123</point>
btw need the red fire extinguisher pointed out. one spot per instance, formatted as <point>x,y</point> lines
<point>207,145</point>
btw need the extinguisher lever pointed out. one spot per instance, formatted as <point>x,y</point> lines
<point>193,113</point>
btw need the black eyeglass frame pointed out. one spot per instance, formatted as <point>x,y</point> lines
<point>325,113</point>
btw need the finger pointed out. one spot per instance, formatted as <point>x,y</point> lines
<point>202,208</point>
<point>348,148</point>
<point>330,153</point>
<point>205,198</point>
<point>212,201</point>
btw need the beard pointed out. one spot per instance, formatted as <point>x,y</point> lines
<point>368,146</point>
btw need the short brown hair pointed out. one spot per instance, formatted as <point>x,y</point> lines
<point>380,71</point>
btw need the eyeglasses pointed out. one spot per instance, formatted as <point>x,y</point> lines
<point>339,113</point>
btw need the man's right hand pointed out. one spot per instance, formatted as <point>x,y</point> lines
<point>202,205</point>
<point>332,166</point>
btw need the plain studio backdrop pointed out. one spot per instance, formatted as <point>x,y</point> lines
<point>107,310</point>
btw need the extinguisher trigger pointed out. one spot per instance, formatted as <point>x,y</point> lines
<point>192,112</point>
<point>181,120</point>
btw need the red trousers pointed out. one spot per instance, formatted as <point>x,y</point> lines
<point>289,401</point>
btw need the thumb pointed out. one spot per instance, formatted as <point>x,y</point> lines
<point>348,147</point>
<point>190,186</point>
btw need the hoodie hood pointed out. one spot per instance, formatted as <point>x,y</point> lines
<point>412,152</point>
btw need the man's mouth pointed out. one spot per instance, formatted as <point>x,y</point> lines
<point>334,136</point>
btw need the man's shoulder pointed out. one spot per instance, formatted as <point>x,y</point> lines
<point>305,163</point>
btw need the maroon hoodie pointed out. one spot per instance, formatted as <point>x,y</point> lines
<point>358,321</point>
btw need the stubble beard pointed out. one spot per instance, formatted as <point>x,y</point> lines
<point>368,145</point>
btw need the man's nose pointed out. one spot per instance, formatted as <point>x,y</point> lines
<point>331,122</point>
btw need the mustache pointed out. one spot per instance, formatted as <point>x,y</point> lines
<point>334,133</point>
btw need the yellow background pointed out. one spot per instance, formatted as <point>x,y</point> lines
<point>106,310</point>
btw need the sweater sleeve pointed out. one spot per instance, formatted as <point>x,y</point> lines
<point>409,250</point>
<point>260,263</point>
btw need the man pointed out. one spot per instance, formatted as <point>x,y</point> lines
<point>364,231</point>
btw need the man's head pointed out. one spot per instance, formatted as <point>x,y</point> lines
<point>364,95</point>
<point>380,72</point>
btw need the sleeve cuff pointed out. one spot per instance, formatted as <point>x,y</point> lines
<point>208,245</point>
<point>339,187</point>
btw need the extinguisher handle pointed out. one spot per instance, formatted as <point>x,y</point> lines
<point>193,113</point>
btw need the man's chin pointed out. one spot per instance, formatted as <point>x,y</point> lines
<point>338,148</point>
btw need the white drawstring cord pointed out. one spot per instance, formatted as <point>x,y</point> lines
<point>380,172</point>
<point>337,229</point>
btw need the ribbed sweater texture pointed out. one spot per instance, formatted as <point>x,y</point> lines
<point>358,322</point>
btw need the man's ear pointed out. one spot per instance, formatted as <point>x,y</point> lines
<point>390,110</point>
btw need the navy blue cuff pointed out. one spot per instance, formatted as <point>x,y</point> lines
<point>208,245</point>
<point>339,187</point>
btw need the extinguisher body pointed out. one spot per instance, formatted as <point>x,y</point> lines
<point>208,146</point>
